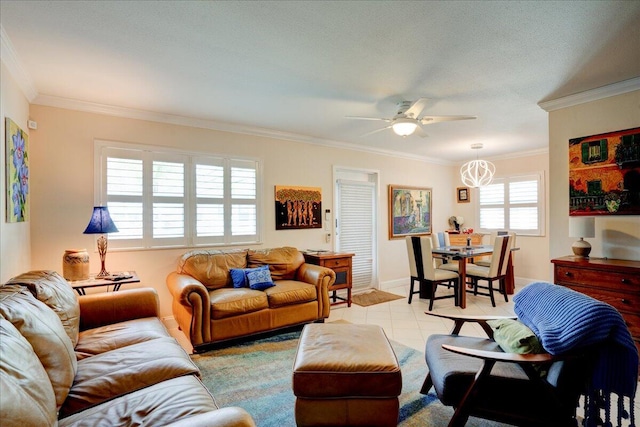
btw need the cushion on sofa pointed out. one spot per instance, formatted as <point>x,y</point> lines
<point>239,275</point>
<point>288,292</point>
<point>121,371</point>
<point>260,279</point>
<point>44,331</point>
<point>211,268</point>
<point>227,302</point>
<point>26,398</point>
<point>118,335</point>
<point>156,405</point>
<point>52,289</point>
<point>283,262</point>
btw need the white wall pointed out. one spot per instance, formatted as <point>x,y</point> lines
<point>15,247</point>
<point>63,192</point>
<point>62,187</point>
<point>616,236</point>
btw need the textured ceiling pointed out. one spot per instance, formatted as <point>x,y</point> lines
<point>298,68</point>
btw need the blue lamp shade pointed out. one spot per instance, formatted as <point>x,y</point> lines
<point>101,222</point>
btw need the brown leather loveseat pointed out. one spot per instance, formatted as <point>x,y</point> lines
<point>101,359</point>
<point>210,308</point>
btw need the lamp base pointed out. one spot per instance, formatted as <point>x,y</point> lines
<point>581,248</point>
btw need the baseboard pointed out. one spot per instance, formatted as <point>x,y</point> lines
<point>169,322</point>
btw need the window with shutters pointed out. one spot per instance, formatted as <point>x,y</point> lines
<point>513,203</point>
<point>159,197</point>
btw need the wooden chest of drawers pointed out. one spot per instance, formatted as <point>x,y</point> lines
<point>614,281</point>
<point>461,239</point>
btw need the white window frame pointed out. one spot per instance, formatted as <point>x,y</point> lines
<point>537,176</point>
<point>148,153</point>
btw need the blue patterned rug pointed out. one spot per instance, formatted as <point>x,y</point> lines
<point>256,376</point>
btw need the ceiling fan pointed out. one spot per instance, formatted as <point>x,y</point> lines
<point>408,119</point>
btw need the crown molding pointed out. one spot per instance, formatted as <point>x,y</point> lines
<point>14,65</point>
<point>591,95</point>
<point>132,113</point>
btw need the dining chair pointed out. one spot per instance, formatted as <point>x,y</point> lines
<point>487,262</point>
<point>428,277</point>
<point>440,240</point>
<point>496,271</point>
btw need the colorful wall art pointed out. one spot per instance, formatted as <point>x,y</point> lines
<point>604,174</point>
<point>298,207</point>
<point>17,146</point>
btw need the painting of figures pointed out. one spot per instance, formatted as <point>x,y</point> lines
<point>298,207</point>
<point>604,174</point>
<point>409,211</point>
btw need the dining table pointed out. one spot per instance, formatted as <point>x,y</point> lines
<point>463,254</point>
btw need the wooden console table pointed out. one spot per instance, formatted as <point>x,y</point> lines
<point>339,262</point>
<point>614,281</point>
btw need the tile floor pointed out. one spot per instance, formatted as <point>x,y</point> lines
<point>409,325</point>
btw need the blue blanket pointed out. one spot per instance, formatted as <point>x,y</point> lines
<point>565,321</point>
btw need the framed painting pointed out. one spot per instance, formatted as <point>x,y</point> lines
<point>409,211</point>
<point>17,156</point>
<point>463,195</point>
<point>298,207</point>
<point>604,174</point>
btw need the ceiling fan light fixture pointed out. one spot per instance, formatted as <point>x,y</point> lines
<point>404,127</point>
<point>477,173</point>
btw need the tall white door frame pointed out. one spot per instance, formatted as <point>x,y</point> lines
<point>370,181</point>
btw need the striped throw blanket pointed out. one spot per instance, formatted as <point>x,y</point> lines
<point>566,321</point>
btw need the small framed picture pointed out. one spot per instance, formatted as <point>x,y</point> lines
<point>463,195</point>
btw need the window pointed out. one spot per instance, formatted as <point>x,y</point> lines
<point>167,198</point>
<point>514,203</point>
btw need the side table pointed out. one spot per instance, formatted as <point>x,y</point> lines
<point>339,262</point>
<point>93,282</point>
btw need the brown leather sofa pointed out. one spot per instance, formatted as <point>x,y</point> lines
<point>209,309</point>
<point>101,359</point>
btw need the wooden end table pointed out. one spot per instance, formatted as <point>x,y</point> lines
<point>339,262</point>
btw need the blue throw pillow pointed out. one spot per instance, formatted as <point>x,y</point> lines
<point>239,275</point>
<point>260,279</point>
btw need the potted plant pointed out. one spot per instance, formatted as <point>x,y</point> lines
<point>612,201</point>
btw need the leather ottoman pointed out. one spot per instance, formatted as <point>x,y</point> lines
<point>346,375</point>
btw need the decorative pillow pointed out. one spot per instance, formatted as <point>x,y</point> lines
<point>260,279</point>
<point>514,336</point>
<point>239,275</point>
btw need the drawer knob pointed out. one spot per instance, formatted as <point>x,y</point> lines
<point>567,273</point>
<point>625,301</point>
<point>626,281</point>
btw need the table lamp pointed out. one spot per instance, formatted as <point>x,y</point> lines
<point>101,223</point>
<point>582,226</point>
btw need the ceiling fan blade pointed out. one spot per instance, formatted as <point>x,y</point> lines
<point>420,132</point>
<point>427,120</point>
<point>416,108</point>
<point>376,131</point>
<point>368,118</point>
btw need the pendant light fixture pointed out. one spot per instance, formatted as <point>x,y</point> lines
<point>477,173</point>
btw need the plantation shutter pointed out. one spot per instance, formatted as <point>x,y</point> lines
<point>355,229</point>
<point>492,215</point>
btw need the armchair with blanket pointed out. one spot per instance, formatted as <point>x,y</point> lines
<point>532,371</point>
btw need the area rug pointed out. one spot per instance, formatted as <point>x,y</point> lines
<point>375,296</point>
<point>257,377</point>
